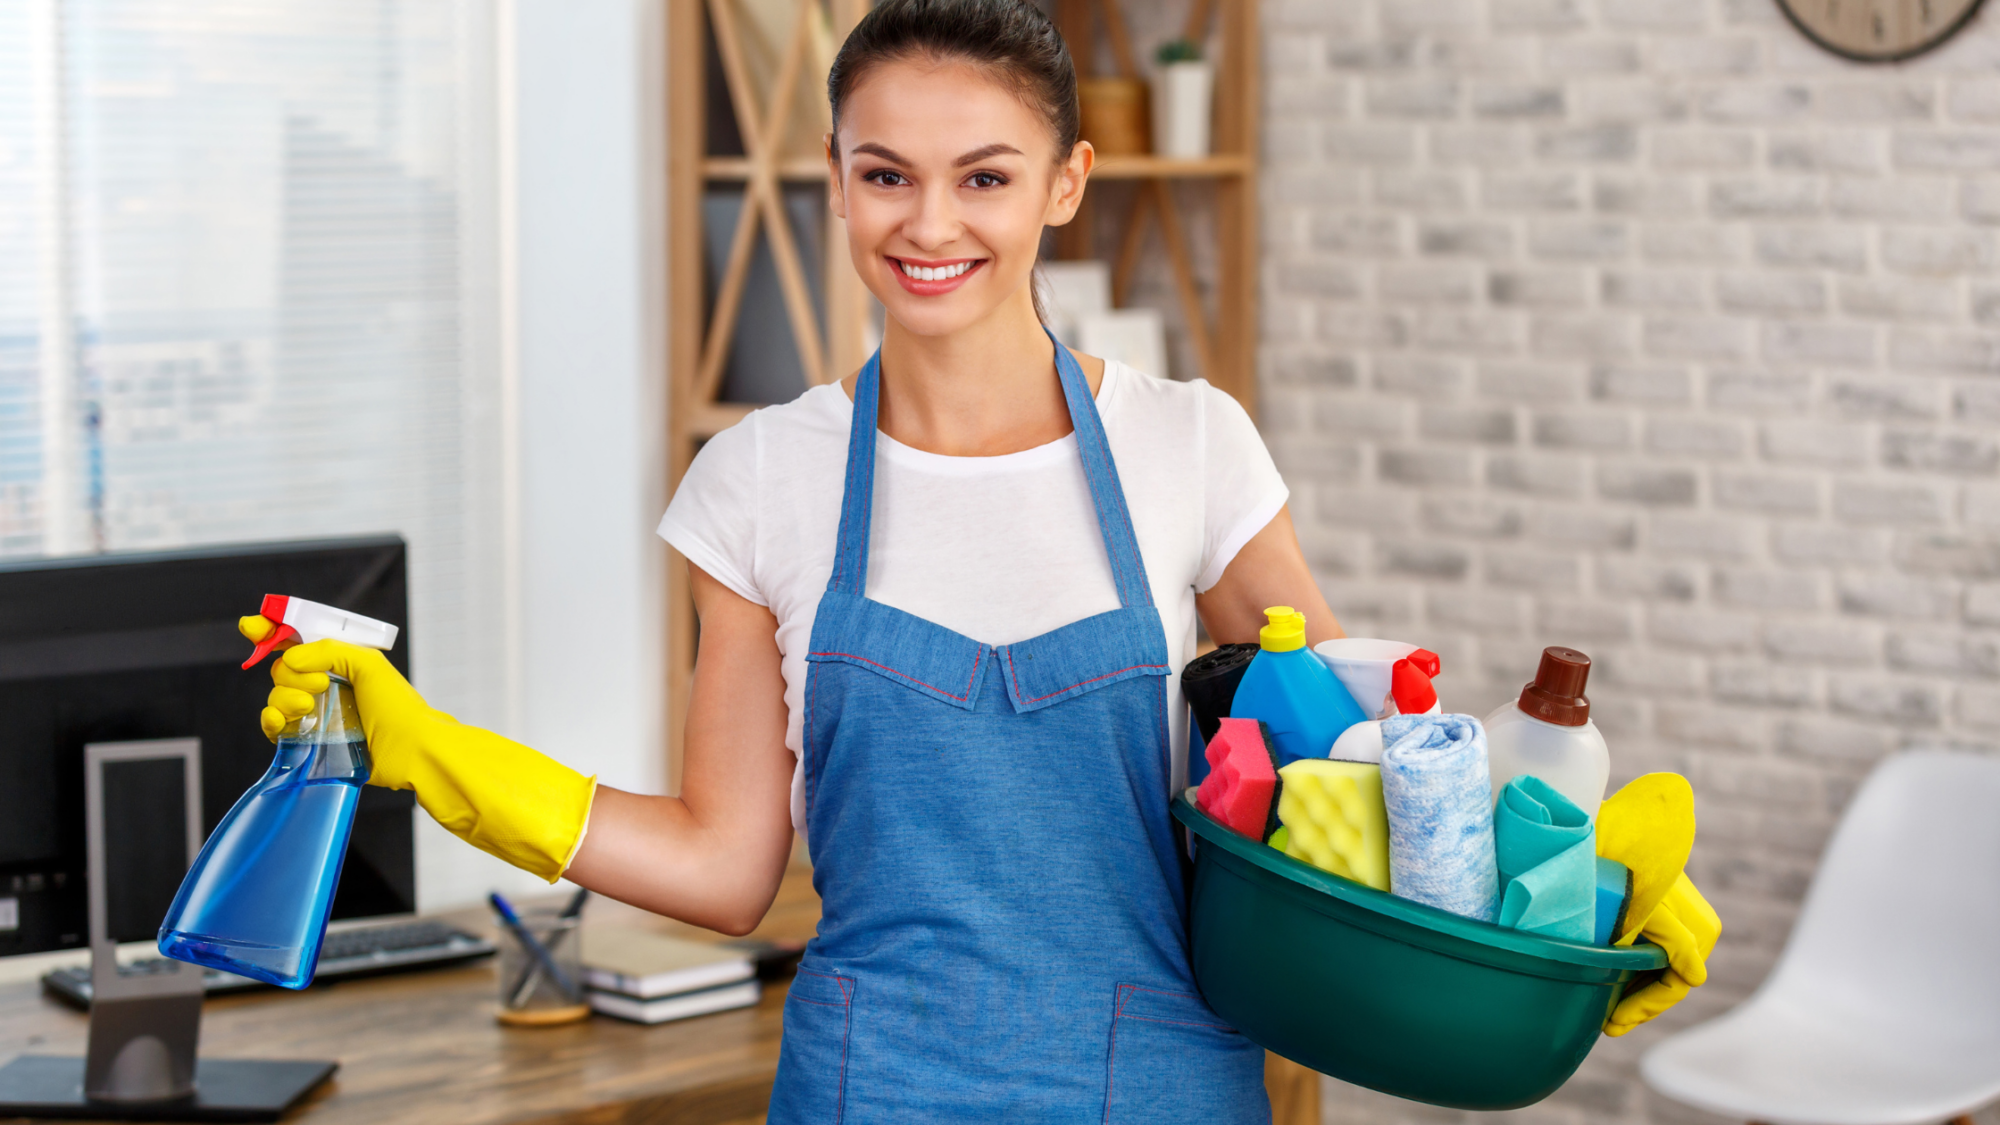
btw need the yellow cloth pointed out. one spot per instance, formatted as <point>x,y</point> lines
<point>1649,827</point>
<point>1334,818</point>
<point>492,792</point>
<point>1686,926</point>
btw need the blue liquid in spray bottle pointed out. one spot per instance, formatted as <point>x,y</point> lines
<point>256,900</point>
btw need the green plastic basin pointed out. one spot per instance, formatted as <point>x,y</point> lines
<point>1387,993</point>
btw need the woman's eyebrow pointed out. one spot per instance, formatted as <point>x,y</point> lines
<point>883,151</point>
<point>973,157</point>
<point>979,154</point>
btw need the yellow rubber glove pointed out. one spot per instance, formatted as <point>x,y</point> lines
<point>492,792</point>
<point>1686,926</point>
<point>1649,827</point>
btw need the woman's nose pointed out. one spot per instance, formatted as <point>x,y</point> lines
<point>936,220</point>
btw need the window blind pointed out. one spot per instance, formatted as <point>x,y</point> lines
<point>275,266</point>
<point>20,263</point>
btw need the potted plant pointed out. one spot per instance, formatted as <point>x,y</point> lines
<point>1182,84</point>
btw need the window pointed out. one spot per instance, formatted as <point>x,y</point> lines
<point>247,287</point>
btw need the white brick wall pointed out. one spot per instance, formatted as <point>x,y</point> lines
<point>1646,326</point>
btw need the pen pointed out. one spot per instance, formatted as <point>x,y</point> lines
<point>536,949</point>
<point>525,983</point>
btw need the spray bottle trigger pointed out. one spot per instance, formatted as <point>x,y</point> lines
<point>1411,687</point>
<point>284,636</point>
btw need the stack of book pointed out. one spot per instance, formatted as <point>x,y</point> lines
<point>652,978</point>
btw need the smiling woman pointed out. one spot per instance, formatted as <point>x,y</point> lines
<point>944,605</point>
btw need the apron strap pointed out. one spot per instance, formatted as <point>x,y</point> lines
<point>857,501</point>
<point>1114,520</point>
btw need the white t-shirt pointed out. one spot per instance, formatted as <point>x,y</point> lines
<point>1000,549</point>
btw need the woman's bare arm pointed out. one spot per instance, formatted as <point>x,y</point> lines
<point>1269,570</point>
<point>714,855</point>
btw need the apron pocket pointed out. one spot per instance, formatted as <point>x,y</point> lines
<point>812,1059</point>
<point>1171,1059</point>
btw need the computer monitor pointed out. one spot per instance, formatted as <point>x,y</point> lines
<point>126,647</point>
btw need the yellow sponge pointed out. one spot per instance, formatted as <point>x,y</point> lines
<point>1336,818</point>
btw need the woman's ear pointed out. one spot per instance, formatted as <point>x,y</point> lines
<point>1066,194</point>
<point>836,197</point>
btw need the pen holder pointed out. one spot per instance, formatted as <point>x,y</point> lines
<point>529,995</point>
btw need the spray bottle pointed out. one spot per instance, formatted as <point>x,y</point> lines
<point>255,902</point>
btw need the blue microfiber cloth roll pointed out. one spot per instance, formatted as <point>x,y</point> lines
<point>1440,803</point>
<point>1547,850</point>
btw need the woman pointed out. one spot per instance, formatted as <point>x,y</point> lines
<point>943,607</point>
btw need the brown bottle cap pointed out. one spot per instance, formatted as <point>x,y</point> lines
<point>1557,696</point>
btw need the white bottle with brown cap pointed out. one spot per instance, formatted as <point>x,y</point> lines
<point>1547,733</point>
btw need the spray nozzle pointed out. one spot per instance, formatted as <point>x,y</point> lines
<point>300,622</point>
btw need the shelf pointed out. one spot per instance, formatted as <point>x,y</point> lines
<point>1165,168</point>
<point>737,168</point>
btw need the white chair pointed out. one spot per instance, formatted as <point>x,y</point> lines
<point>1884,1008</point>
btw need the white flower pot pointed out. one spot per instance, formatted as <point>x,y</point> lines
<point>1181,110</point>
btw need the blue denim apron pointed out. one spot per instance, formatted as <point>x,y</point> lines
<point>1003,932</point>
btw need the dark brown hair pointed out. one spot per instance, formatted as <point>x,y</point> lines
<point>1010,38</point>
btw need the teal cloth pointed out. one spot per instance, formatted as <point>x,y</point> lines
<point>1547,852</point>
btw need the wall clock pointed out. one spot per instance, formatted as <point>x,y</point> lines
<point>1879,30</point>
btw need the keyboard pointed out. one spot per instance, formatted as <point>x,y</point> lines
<point>363,951</point>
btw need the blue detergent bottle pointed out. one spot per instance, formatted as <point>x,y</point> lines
<point>1293,692</point>
<point>255,903</point>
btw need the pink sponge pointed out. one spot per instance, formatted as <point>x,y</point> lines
<point>1241,789</point>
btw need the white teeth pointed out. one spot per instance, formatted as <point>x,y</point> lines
<point>935,273</point>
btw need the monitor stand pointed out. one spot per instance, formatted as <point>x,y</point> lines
<point>145,1022</point>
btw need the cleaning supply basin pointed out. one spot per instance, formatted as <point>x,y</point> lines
<point>1387,993</point>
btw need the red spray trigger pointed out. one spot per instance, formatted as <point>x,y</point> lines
<point>1426,660</point>
<point>284,636</point>
<point>1410,685</point>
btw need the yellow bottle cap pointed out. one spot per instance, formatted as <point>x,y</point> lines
<point>1286,631</point>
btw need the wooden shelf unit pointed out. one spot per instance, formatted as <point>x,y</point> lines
<point>1225,346</point>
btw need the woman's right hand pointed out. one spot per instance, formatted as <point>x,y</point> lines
<point>299,676</point>
<point>495,794</point>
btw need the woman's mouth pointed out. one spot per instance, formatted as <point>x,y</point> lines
<point>932,279</point>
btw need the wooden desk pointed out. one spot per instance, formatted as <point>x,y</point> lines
<point>424,1047</point>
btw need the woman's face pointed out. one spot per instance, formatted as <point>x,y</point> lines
<point>946,179</point>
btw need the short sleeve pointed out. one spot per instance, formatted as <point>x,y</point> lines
<point>1244,491</point>
<point>712,518</point>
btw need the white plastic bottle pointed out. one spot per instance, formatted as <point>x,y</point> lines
<point>1547,733</point>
